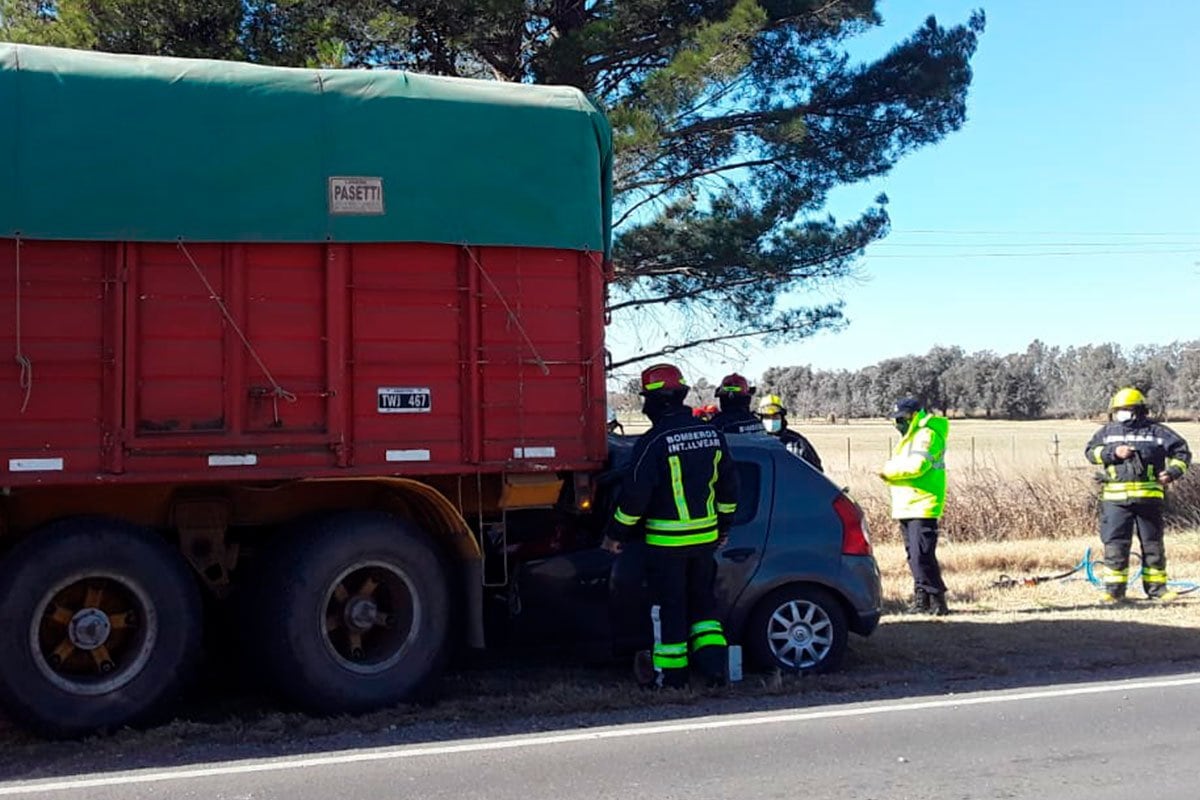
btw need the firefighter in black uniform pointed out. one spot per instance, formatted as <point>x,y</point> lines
<point>1139,458</point>
<point>734,395</point>
<point>681,489</point>
<point>774,420</point>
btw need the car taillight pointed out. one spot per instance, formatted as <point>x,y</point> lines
<point>855,541</point>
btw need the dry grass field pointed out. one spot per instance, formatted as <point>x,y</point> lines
<point>973,444</point>
<point>862,445</point>
<point>1006,481</point>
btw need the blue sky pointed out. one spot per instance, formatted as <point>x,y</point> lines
<point>1082,140</point>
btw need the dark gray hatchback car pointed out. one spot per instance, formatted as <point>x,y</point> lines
<point>795,578</point>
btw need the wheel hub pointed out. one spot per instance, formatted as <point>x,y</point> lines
<point>89,629</point>
<point>362,613</point>
<point>93,633</point>
<point>801,634</point>
<point>370,616</point>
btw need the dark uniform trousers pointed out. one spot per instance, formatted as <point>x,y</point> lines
<point>920,545</point>
<point>681,581</point>
<point>1117,523</point>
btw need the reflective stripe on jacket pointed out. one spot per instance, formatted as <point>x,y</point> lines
<point>1158,451</point>
<point>916,472</point>
<point>681,485</point>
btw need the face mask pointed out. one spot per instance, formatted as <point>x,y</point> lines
<point>1124,415</point>
<point>773,425</point>
<point>902,425</point>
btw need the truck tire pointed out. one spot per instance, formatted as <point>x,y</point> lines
<point>101,627</point>
<point>798,628</point>
<point>351,613</point>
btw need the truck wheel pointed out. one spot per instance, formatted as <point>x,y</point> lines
<point>352,613</point>
<point>797,629</point>
<point>101,625</point>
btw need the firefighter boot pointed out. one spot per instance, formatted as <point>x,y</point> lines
<point>937,604</point>
<point>674,679</point>
<point>1161,593</point>
<point>919,603</point>
<point>1113,593</point>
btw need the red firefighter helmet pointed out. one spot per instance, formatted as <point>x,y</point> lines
<point>735,384</point>
<point>663,378</point>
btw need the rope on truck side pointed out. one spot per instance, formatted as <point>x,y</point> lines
<point>25,381</point>
<point>277,391</point>
<point>512,315</point>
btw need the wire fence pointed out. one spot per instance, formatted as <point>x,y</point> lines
<point>972,453</point>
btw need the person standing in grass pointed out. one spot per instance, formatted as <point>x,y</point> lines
<point>916,475</point>
<point>1140,458</point>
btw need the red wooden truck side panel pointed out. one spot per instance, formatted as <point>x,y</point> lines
<point>161,362</point>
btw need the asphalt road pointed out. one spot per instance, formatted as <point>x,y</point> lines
<point>1096,741</point>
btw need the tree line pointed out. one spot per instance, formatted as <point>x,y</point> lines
<point>1042,381</point>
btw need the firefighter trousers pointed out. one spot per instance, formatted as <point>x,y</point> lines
<point>1117,524</point>
<point>682,590</point>
<point>920,545</point>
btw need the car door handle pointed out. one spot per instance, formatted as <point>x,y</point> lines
<point>738,554</point>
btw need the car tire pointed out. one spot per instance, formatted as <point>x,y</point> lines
<point>800,628</point>
<point>101,627</point>
<point>352,613</point>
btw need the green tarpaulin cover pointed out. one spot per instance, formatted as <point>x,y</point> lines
<point>112,147</point>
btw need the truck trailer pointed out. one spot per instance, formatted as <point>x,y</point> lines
<point>296,340</point>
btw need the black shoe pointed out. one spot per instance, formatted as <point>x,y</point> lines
<point>937,604</point>
<point>919,603</point>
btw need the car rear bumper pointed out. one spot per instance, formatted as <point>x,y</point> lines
<point>862,587</point>
<point>865,622</point>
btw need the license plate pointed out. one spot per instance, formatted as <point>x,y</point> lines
<point>404,400</point>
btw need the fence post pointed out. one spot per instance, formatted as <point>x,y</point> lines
<point>1056,450</point>
<point>847,452</point>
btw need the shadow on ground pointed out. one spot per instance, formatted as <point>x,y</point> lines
<point>510,693</point>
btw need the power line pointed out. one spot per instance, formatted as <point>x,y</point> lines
<point>1035,244</point>
<point>998,232</point>
<point>1054,254</point>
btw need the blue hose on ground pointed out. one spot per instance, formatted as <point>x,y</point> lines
<point>1091,569</point>
<point>1093,577</point>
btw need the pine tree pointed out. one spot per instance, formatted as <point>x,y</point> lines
<point>733,119</point>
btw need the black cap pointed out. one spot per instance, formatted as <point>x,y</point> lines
<point>904,407</point>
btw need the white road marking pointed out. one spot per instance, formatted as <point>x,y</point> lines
<point>704,724</point>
